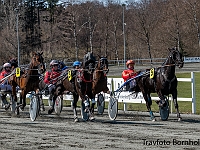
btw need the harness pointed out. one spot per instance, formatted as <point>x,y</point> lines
<point>82,78</point>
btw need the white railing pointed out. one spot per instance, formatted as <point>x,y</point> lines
<point>125,97</point>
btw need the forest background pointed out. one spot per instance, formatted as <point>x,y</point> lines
<point>65,30</point>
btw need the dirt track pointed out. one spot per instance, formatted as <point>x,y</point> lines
<point>131,130</point>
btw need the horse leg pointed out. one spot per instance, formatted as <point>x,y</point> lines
<point>22,100</point>
<point>92,108</point>
<point>14,96</point>
<point>74,105</point>
<point>148,105</point>
<point>54,96</point>
<point>41,103</point>
<point>174,95</point>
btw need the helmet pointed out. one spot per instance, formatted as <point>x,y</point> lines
<point>7,65</point>
<point>130,62</point>
<point>53,62</point>
<point>76,63</point>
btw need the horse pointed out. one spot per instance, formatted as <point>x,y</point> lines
<point>99,82</point>
<point>66,83</point>
<point>28,80</point>
<point>83,82</point>
<point>164,82</point>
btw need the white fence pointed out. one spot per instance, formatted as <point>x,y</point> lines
<point>126,97</point>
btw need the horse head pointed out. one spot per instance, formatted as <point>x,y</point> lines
<point>38,61</point>
<point>13,62</point>
<point>103,64</point>
<point>89,62</point>
<point>176,56</point>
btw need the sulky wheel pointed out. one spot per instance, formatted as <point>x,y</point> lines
<point>100,104</point>
<point>34,107</point>
<point>164,110</point>
<point>112,108</point>
<point>84,112</point>
<point>58,104</point>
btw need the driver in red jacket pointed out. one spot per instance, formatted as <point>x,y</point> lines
<point>4,85</point>
<point>50,78</point>
<point>129,73</point>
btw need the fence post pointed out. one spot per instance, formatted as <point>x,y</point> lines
<point>171,104</point>
<point>193,93</point>
<point>125,106</point>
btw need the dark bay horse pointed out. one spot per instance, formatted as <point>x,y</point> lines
<point>28,80</point>
<point>78,83</point>
<point>83,82</point>
<point>164,81</point>
<point>99,82</point>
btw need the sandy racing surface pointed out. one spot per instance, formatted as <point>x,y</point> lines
<point>131,130</point>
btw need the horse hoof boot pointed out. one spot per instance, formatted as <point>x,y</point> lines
<point>76,119</point>
<point>179,119</point>
<point>50,110</point>
<point>92,118</point>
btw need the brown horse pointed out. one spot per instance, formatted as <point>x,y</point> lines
<point>66,83</point>
<point>83,81</point>
<point>164,82</point>
<point>28,80</point>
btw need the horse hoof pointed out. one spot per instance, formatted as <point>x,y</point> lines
<point>42,109</point>
<point>76,120</point>
<point>92,118</point>
<point>86,110</point>
<point>153,120</point>
<point>179,119</point>
<point>21,108</point>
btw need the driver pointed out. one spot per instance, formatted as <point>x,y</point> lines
<point>130,73</point>
<point>4,86</point>
<point>50,79</point>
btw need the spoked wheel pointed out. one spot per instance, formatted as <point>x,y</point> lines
<point>34,107</point>
<point>164,111</point>
<point>58,104</point>
<point>84,114</point>
<point>112,108</point>
<point>100,104</point>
